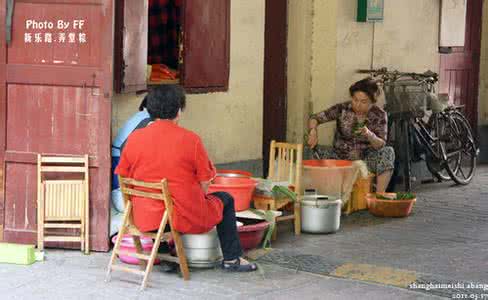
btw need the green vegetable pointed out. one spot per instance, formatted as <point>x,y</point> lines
<point>285,191</point>
<point>398,196</point>
<point>358,126</point>
<point>269,217</point>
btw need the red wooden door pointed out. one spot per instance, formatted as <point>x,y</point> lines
<point>206,51</point>
<point>459,70</point>
<point>55,90</point>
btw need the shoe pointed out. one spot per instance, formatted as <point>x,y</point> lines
<point>237,267</point>
<point>164,248</point>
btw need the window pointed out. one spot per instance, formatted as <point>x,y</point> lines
<point>198,45</point>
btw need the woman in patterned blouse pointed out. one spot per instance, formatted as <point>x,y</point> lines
<point>361,132</point>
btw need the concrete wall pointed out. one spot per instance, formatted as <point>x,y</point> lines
<point>229,123</point>
<point>406,40</point>
<point>299,66</point>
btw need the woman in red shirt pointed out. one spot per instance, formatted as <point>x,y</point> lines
<point>165,150</point>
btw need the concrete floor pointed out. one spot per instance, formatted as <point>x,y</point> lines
<point>445,240</point>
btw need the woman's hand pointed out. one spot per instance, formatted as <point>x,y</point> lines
<point>375,141</point>
<point>364,131</point>
<point>204,185</point>
<point>313,138</point>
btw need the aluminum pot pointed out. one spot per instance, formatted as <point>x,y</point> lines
<point>202,250</point>
<point>320,214</point>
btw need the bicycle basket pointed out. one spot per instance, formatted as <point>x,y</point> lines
<point>406,96</point>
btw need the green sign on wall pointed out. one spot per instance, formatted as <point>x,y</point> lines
<point>370,10</point>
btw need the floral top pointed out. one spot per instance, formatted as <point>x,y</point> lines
<point>346,143</point>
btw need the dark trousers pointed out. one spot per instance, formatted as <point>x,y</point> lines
<point>227,228</point>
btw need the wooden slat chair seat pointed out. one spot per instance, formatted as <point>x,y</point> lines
<point>285,164</point>
<point>63,203</point>
<point>130,187</point>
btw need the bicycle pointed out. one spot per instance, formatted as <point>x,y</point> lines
<point>446,139</point>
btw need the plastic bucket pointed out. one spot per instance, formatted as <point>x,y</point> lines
<point>327,176</point>
<point>241,190</point>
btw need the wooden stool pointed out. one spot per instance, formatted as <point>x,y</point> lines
<point>147,261</point>
<point>357,202</point>
<point>287,158</point>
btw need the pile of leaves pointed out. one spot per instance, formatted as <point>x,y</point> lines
<point>357,127</point>
<point>278,192</point>
<point>398,196</point>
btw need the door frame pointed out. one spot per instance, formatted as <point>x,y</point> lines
<point>275,75</point>
<point>3,112</point>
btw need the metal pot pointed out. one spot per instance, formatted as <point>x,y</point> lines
<point>320,214</point>
<point>202,250</point>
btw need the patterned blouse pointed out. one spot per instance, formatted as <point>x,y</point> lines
<point>347,144</point>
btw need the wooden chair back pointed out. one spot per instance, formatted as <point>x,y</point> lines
<point>285,163</point>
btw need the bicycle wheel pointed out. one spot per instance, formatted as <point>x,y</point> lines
<point>461,151</point>
<point>439,127</point>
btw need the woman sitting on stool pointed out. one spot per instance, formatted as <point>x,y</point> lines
<point>165,150</point>
<point>361,132</point>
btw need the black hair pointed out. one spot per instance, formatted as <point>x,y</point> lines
<point>164,101</point>
<point>367,86</point>
<point>143,104</point>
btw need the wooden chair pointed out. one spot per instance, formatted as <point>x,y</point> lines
<point>63,199</point>
<point>132,187</point>
<point>285,164</point>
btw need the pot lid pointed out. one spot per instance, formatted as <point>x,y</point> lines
<point>320,200</point>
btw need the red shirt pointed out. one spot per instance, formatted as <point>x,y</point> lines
<point>165,150</point>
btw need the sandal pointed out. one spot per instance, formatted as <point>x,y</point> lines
<point>237,267</point>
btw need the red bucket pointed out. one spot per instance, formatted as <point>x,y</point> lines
<point>240,188</point>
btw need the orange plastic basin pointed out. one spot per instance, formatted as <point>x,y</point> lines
<point>241,189</point>
<point>328,163</point>
<point>239,172</point>
<point>389,208</point>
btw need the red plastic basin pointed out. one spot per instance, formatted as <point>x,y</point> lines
<point>252,235</point>
<point>241,189</point>
<point>328,163</point>
<point>239,172</point>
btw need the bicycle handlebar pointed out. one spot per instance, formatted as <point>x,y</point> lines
<point>428,76</point>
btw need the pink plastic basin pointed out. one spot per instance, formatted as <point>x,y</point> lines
<point>127,244</point>
<point>241,189</point>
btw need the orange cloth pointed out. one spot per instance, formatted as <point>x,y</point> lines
<point>165,150</point>
<point>162,72</point>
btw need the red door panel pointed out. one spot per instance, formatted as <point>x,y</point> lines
<point>459,70</point>
<point>206,35</point>
<point>55,90</point>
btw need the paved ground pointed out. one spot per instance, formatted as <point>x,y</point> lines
<point>70,275</point>
<point>445,240</point>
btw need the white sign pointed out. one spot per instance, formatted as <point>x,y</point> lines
<point>60,31</point>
